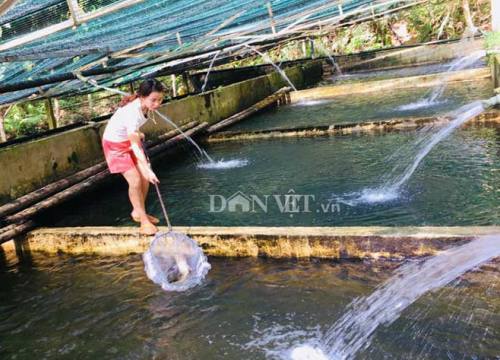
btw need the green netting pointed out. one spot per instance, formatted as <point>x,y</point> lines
<point>56,56</point>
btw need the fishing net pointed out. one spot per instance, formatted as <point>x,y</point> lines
<point>175,261</point>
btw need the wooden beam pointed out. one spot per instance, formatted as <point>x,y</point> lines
<point>270,11</point>
<point>75,11</point>
<point>174,88</point>
<point>51,119</point>
<point>6,5</point>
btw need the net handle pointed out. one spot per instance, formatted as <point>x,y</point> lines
<point>158,192</point>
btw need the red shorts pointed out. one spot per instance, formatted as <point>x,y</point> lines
<point>119,156</point>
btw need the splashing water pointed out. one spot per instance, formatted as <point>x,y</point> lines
<point>175,262</point>
<point>354,331</point>
<point>224,164</point>
<point>188,138</point>
<point>425,103</point>
<point>330,57</point>
<point>456,65</point>
<point>209,69</point>
<point>269,61</point>
<point>311,102</point>
<point>391,189</point>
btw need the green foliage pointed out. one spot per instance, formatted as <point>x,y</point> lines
<point>493,40</point>
<point>26,119</point>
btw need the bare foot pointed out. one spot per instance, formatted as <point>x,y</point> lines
<point>150,217</point>
<point>148,229</point>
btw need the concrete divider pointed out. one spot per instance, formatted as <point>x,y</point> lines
<point>430,53</point>
<point>489,118</point>
<point>275,242</point>
<point>389,84</point>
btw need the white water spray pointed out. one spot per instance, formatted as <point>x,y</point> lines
<point>224,164</point>
<point>188,138</point>
<point>330,57</point>
<point>209,69</point>
<point>392,186</point>
<point>435,95</point>
<point>354,331</point>
<point>269,61</point>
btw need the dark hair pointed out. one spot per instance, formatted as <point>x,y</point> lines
<point>147,87</point>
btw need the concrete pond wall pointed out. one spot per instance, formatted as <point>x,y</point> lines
<point>28,166</point>
<point>410,55</point>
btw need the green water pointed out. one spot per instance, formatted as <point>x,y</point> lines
<point>104,307</point>
<point>457,184</point>
<point>358,108</point>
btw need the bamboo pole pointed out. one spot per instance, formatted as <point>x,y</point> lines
<point>59,197</point>
<point>16,230</point>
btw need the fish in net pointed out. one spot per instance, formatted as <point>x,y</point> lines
<point>175,261</point>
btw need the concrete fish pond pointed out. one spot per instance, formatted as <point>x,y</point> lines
<point>355,218</point>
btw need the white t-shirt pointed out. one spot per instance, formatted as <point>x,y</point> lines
<point>125,121</point>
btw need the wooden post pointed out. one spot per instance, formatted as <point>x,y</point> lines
<point>468,16</point>
<point>75,11</point>
<point>3,135</point>
<point>131,88</point>
<point>311,46</point>
<point>51,119</point>
<point>185,82</point>
<point>174,88</point>
<point>270,11</point>
<point>57,109</point>
<point>495,15</point>
<point>304,48</point>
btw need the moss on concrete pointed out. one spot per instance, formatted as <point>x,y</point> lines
<point>275,242</point>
